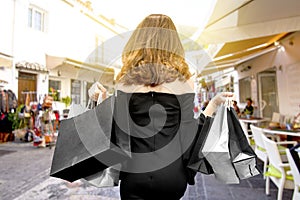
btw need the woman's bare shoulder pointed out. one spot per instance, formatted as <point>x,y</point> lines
<point>175,87</point>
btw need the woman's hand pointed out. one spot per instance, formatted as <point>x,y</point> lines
<point>216,101</point>
<point>95,90</point>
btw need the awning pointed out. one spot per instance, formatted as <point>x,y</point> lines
<point>5,60</point>
<point>246,19</point>
<point>247,24</point>
<point>74,69</point>
<point>240,30</point>
<point>31,66</point>
<point>243,48</point>
<point>235,53</point>
<point>53,62</point>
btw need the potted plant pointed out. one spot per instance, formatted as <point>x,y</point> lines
<point>67,100</point>
<point>15,120</point>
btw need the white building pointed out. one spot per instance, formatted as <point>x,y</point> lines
<point>53,44</point>
<point>256,43</point>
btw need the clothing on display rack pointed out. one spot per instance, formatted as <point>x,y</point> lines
<point>8,104</point>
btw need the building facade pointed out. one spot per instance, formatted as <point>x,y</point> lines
<point>50,46</point>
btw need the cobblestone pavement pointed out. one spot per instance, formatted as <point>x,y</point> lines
<point>24,175</point>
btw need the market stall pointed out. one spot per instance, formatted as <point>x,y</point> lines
<point>36,119</point>
<point>8,105</point>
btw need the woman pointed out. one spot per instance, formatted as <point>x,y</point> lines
<point>236,108</point>
<point>155,79</point>
<point>248,110</point>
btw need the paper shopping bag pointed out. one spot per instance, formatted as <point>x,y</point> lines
<point>242,155</point>
<point>197,161</point>
<point>216,148</point>
<point>109,177</point>
<point>75,109</point>
<point>87,144</point>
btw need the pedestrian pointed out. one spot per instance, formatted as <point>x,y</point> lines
<point>236,108</point>
<point>248,110</point>
<point>155,72</point>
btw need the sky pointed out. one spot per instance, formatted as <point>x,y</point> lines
<point>130,12</point>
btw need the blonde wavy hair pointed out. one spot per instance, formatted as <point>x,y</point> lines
<point>153,54</point>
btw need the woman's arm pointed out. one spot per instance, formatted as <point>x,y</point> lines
<point>215,102</point>
<point>95,90</point>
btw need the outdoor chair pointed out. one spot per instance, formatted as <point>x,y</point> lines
<point>277,170</point>
<point>295,173</point>
<point>259,146</point>
<point>246,132</point>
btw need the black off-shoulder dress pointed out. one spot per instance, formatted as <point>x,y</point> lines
<point>162,131</point>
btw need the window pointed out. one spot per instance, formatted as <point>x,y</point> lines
<point>54,89</point>
<point>36,18</point>
<point>245,89</point>
<point>88,86</point>
<point>268,94</point>
<point>75,91</point>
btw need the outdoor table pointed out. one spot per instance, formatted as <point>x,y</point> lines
<point>253,120</point>
<point>278,131</point>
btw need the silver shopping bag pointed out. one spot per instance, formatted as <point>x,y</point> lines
<point>87,143</point>
<point>216,148</point>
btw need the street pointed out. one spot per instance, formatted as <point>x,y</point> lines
<point>24,175</point>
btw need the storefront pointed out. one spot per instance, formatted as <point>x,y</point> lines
<point>272,79</point>
<point>32,81</point>
<point>72,78</point>
<point>8,100</point>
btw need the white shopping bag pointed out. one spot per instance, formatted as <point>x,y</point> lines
<point>75,109</point>
<point>216,148</point>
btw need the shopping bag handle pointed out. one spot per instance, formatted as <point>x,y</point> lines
<point>91,105</point>
<point>228,103</point>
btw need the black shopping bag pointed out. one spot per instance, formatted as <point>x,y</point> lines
<point>223,149</point>
<point>197,161</point>
<point>216,148</point>
<point>87,144</point>
<point>242,155</point>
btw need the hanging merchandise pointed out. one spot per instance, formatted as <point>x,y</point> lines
<point>47,127</point>
<point>26,110</point>
<point>8,105</point>
<point>4,123</point>
<point>8,101</point>
<point>37,120</point>
<point>47,103</point>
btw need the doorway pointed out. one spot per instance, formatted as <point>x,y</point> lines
<point>268,95</point>
<point>26,85</point>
